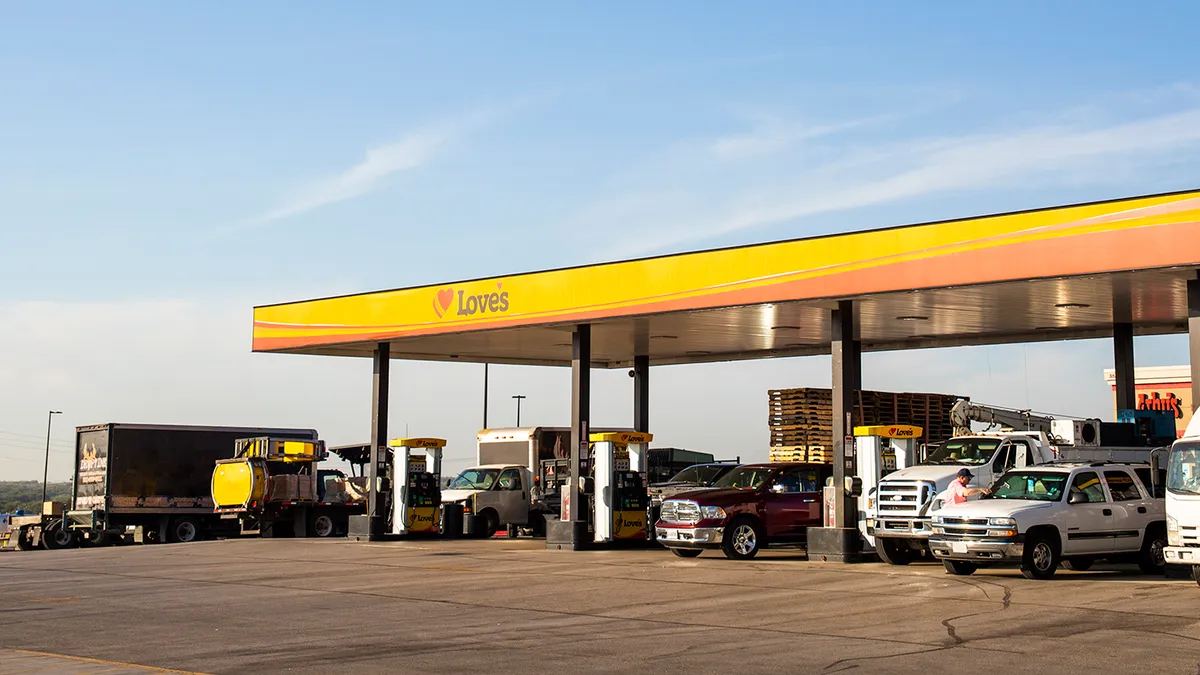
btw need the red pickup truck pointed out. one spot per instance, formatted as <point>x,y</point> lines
<point>747,509</point>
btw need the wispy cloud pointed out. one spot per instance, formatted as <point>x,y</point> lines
<point>775,135</point>
<point>412,150</point>
<point>702,201</point>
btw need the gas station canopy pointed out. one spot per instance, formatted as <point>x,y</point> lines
<point>1051,274</point>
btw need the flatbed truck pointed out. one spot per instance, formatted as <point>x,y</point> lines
<point>146,483</point>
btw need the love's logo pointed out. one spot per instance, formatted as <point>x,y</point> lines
<point>493,302</point>
<point>441,302</point>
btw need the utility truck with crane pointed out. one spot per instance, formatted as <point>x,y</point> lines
<point>899,507</point>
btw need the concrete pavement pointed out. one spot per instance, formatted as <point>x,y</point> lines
<point>500,606</point>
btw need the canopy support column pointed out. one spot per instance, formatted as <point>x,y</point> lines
<point>1123,366</point>
<point>641,393</point>
<point>841,542</point>
<point>571,531</point>
<point>373,524</point>
<point>1193,295</point>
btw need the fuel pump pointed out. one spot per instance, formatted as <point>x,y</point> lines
<point>619,497</point>
<point>417,477</point>
<point>880,450</point>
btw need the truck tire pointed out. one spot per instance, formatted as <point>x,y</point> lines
<point>56,537</point>
<point>686,552</point>
<point>743,539</point>
<point>1078,564</point>
<point>960,568</point>
<point>489,522</point>
<point>1150,559</point>
<point>322,526</point>
<point>1196,573</point>
<point>94,539</point>
<point>184,530</point>
<point>25,539</point>
<point>1042,552</point>
<point>894,552</point>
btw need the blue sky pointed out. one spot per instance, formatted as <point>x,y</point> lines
<point>164,167</point>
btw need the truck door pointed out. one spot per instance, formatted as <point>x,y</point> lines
<point>1087,526</point>
<point>793,503</point>
<point>512,496</point>
<point>1132,511</point>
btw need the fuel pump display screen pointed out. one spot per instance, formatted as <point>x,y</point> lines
<point>629,503</point>
<point>424,497</point>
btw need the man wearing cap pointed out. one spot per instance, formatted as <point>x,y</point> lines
<point>958,491</point>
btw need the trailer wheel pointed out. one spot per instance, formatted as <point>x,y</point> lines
<point>183,530</point>
<point>25,539</point>
<point>93,539</point>
<point>57,537</point>
<point>322,526</point>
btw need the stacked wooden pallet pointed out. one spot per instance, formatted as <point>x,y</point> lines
<point>801,420</point>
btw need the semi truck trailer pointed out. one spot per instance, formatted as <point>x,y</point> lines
<point>145,482</point>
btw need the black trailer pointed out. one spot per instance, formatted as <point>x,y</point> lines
<point>148,482</point>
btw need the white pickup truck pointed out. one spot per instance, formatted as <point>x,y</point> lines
<point>497,495</point>
<point>1069,512</point>
<point>898,510</point>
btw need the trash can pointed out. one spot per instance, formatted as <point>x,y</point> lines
<point>452,520</point>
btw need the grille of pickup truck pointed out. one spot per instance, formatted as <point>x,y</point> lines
<point>965,527</point>
<point>679,512</point>
<point>903,497</point>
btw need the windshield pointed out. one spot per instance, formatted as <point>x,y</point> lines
<point>474,479</point>
<point>1038,486</point>
<point>744,478</point>
<point>964,451</point>
<point>699,475</point>
<point>1183,468</point>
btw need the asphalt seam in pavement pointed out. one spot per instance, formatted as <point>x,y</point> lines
<point>103,662</point>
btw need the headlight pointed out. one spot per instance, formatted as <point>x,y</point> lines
<point>939,530</point>
<point>1002,522</point>
<point>712,513</point>
<point>1173,538</point>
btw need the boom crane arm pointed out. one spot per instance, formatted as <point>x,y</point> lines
<point>964,412</point>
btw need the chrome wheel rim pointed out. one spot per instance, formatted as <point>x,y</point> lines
<point>1042,556</point>
<point>744,540</point>
<point>1156,552</point>
<point>323,526</point>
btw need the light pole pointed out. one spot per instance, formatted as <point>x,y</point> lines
<point>485,395</point>
<point>46,467</point>
<point>518,397</point>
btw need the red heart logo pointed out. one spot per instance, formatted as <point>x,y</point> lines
<point>499,284</point>
<point>443,300</point>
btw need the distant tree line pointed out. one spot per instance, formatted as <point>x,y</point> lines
<point>27,495</point>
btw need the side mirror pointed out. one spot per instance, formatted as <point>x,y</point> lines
<point>1077,498</point>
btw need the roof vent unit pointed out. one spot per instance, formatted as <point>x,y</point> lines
<point>1077,433</point>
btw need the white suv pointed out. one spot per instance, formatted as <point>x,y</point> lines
<point>1037,517</point>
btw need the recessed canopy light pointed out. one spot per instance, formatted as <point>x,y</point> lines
<point>697,353</point>
<point>664,337</point>
<point>564,344</point>
<point>796,344</point>
<point>912,317</point>
<point>785,327</point>
<point>1072,305</point>
<point>1045,327</point>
